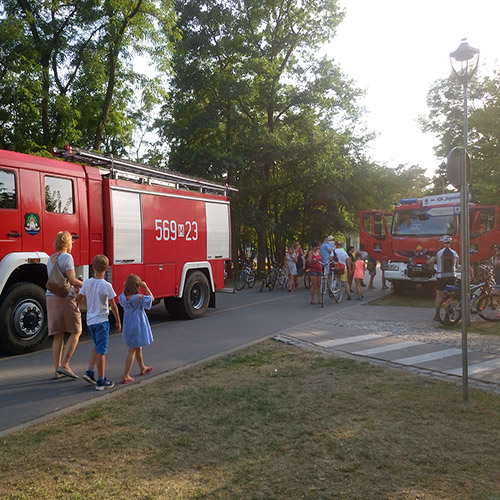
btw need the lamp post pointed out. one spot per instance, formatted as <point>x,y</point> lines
<point>464,62</point>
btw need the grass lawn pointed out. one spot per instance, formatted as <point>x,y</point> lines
<point>269,422</point>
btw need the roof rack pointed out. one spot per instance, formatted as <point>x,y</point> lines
<point>140,173</point>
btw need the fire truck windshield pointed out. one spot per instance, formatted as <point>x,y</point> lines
<point>422,223</point>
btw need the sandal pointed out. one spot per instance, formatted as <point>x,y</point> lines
<point>147,370</point>
<point>129,380</point>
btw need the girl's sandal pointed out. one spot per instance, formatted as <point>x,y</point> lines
<point>129,380</point>
<point>147,370</point>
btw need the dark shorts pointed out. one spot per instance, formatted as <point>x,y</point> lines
<point>314,273</point>
<point>100,336</point>
<point>442,282</point>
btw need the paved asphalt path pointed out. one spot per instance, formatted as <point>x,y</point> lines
<point>28,393</point>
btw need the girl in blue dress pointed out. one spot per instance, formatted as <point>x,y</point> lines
<point>136,331</point>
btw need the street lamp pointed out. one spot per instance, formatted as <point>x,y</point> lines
<point>464,62</point>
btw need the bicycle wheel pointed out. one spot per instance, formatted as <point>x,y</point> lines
<point>271,282</point>
<point>240,281</point>
<point>450,310</point>
<point>251,279</point>
<point>286,281</point>
<point>282,277</point>
<point>307,281</point>
<point>324,287</point>
<point>488,307</point>
<point>337,288</point>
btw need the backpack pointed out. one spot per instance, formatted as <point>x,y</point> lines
<point>447,261</point>
<point>57,283</point>
<point>338,266</point>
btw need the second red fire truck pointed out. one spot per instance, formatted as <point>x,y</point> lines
<point>407,237</point>
<point>171,229</point>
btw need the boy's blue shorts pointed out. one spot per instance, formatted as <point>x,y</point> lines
<point>100,336</point>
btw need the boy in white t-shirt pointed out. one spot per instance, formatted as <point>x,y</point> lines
<point>99,294</point>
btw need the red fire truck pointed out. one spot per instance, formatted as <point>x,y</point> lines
<point>171,229</point>
<point>407,237</point>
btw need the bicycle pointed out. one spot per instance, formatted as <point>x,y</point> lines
<point>307,279</point>
<point>270,280</point>
<point>484,300</point>
<point>330,281</point>
<point>245,277</point>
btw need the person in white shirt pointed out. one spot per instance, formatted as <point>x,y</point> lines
<point>342,257</point>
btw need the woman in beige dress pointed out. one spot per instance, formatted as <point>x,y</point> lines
<point>63,313</point>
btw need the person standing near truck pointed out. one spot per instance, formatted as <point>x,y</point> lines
<point>62,312</point>
<point>446,261</point>
<point>99,295</point>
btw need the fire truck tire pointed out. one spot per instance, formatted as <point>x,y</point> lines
<point>196,295</point>
<point>23,318</point>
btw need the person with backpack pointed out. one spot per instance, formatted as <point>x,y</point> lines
<point>446,261</point>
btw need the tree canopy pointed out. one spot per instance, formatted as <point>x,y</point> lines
<point>254,103</point>
<point>445,119</point>
<point>66,72</point>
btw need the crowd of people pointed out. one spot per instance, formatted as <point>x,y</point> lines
<point>64,316</point>
<point>350,266</point>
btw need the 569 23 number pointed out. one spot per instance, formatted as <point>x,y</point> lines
<point>170,230</point>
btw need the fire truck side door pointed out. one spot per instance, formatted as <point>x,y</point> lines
<point>11,223</point>
<point>374,235</point>
<point>61,212</point>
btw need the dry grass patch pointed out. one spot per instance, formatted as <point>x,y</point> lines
<point>269,422</point>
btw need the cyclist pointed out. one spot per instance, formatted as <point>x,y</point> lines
<point>326,250</point>
<point>446,261</point>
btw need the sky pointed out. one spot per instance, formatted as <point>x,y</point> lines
<point>395,50</point>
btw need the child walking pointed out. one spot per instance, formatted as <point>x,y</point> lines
<point>136,331</point>
<point>99,294</point>
<point>359,273</point>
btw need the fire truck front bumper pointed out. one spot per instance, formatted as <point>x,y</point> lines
<point>418,273</point>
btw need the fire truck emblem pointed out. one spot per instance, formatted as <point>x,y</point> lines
<point>419,251</point>
<point>32,223</point>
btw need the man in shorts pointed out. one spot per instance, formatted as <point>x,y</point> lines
<point>446,261</point>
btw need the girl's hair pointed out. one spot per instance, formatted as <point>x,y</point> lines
<point>132,285</point>
<point>358,255</point>
<point>315,243</point>
<point>63,241</point>
<point>350,249</point>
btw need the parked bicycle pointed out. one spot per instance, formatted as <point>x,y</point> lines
<point>331,284</point>
<point>307,279</point>
<point>245,277</point>
<point>271,278</point>
<point>484,300</point>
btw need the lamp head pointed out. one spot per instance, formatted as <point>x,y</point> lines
<point>464,52</point>
<point>467,58</point>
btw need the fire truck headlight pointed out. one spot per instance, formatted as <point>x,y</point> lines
<point>393,266</point>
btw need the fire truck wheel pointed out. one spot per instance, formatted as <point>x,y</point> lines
<point>196,295</point>
<point>23,318</point>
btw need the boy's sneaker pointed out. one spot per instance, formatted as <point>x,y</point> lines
<point>88,376</point>
<point>104,383</point>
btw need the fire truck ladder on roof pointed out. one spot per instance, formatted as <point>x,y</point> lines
<point>142,174</point>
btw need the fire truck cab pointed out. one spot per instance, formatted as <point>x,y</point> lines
<point>171,229</point>
<point>407,238</point>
